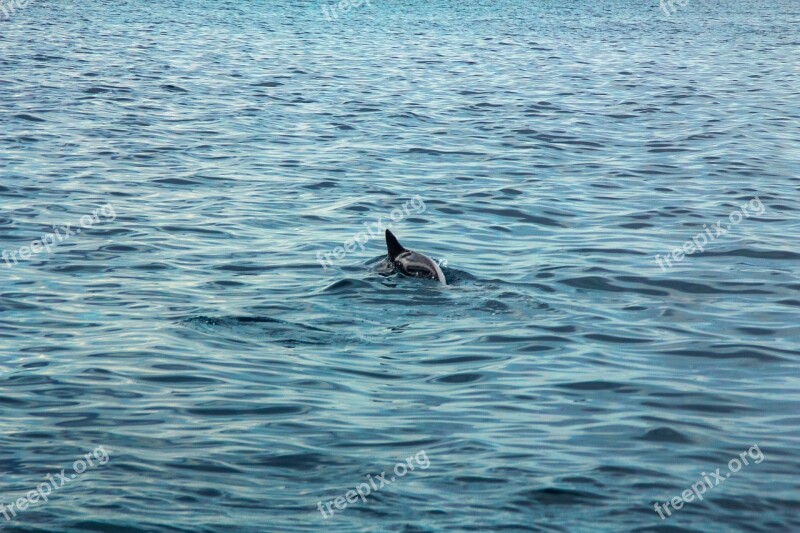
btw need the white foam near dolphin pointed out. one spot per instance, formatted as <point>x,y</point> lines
<point>412,263</point>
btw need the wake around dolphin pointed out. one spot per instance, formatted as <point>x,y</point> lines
<point>412,263</point>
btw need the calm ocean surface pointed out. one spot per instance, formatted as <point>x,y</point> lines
<point>548,150</point>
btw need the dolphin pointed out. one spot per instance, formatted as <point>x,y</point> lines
<point>412,263</point>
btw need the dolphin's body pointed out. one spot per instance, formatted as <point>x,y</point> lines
<point>412,263</point>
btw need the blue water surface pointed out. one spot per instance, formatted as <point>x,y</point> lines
<point>211,153</point>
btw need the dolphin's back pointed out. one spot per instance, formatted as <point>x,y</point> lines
<point>416,264</point>
<point>410,262</point>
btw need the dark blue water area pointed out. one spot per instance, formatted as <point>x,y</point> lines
<point>223,324</point>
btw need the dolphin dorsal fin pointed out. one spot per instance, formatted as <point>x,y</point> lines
<point>392,246</point>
